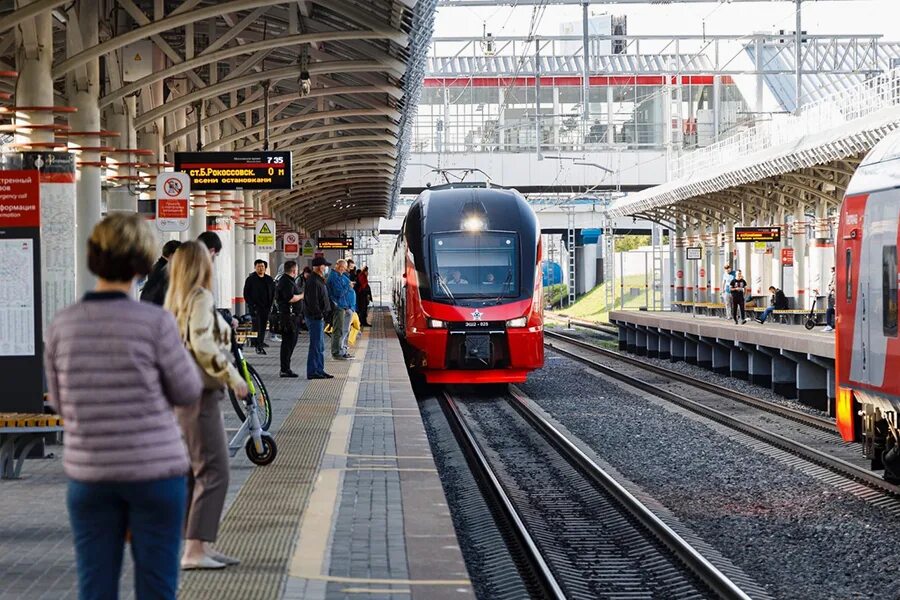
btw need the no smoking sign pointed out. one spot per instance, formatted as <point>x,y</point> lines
<point>173,191</point>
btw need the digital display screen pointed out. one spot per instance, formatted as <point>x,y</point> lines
<point>757,234</point>
<point>236,170</point>
<point>335,243</point>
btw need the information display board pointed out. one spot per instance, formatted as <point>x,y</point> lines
<point>787,257</point>
<point>236,170</point>
<point>694,253</point>
<point>21,371</point>
<point>335,243</point>
<point>173,192</point>
<point>757,234</point>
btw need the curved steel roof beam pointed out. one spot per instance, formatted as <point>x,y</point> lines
<point>27,12</point>
<point>301,133</point>
<point>176,19</point>
<point>232,51</point>
<point>349,66</point>
<point>345,180</point>
<point>318,116</point>
<point>381,149</point>
<point>382,137</point>
<point>316,93</point>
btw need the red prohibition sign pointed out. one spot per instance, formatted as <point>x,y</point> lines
<point>173,187</point>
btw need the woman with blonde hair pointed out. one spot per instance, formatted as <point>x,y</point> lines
<point>115,368</point>
<point>208,338</point>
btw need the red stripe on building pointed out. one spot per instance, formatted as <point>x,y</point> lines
<point>572,81</point>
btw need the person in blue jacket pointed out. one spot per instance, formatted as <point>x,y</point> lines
<point>342,296</point>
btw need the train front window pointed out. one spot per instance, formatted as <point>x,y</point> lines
<point>475,265</point>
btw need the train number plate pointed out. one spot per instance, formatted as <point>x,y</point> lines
<point>477,326</point>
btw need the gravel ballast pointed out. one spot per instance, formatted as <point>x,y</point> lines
<point>798,536</point>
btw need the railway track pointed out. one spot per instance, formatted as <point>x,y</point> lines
<point>585,535</point>
<point>809,437</point>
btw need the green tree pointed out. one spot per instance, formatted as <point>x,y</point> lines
<point>624,243</point>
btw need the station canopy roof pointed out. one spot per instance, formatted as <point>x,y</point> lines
<point>348,134</point>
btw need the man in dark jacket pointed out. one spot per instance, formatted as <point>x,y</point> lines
<point>778,302</point>
<point>287,294</point>
<point>259,293</point>
<point>316,306</point>
<point>157,284</point>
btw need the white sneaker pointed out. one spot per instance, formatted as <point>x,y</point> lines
<point>828,328</point>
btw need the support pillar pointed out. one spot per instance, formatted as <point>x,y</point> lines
<point>250,241</point>
<point>120,118</point>
<point>798,228</point>
<point>680,242</point>
<point>715,264</point>
<point>721,357</point>
<point>83,92</point>
<point>738,363</point>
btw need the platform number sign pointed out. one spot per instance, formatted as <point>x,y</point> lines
<point>173,191</point>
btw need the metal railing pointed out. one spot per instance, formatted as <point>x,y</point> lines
<point>861,100</point>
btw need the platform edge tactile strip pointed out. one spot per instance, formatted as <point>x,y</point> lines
<point>262,524</point>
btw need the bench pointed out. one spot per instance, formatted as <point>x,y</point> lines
<point>789,314</point>
<point>19,433</point>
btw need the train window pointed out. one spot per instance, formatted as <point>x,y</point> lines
<point>848,271</point>
<point>469,265</point>
<point>889,290</point>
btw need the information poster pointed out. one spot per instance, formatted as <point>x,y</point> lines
<point>291,244</point>
<point>17,302</point>
<point>57,181</point>
<point>173,192</point>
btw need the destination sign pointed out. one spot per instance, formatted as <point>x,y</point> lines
<point>335,243</point>
<point>236,170</point>
<point>757,234</point>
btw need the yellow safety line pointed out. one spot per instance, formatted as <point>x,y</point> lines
<point>363,580</point>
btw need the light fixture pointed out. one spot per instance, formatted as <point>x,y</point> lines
<point>473,224</point>
<point>520,322</point>
<point>436,324</point>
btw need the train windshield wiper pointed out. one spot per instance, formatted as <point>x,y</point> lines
<point>445,288</point>
<point>506,284</point>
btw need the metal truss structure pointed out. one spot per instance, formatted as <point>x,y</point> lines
<point>338,80</point>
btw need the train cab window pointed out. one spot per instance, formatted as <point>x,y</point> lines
<point>889,290</point>
<point>472,265</point>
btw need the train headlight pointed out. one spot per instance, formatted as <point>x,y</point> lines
<point>473,224</point>
<point>437,324</point>
<point>520,322</point>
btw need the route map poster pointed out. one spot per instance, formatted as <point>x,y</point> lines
<point>17,306</point>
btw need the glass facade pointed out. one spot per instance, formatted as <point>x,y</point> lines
<point>502,114</point>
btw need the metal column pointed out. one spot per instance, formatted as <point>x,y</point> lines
<point>609,263</point>
<point>570,244</point>
<point>656,300</point>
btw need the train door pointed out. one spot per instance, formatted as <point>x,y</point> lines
<point>876,315</point>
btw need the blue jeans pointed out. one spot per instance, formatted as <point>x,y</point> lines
<point>101,514</point>
<point>765,314</point>
<point>315,359</point>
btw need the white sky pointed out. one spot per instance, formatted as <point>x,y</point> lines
<point>819,17</point>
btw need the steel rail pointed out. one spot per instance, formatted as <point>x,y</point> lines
<point>772,407</point>
<point>834,464</point>
<point>708,573</point>
<point>483,470</point>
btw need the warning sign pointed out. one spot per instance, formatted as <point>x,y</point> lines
<point>291,244</point>
<point>309,247</point>
<point>787,257</point>
<point>173,191</point>
<point>265,235</point>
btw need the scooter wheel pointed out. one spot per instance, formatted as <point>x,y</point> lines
<point>267,455</point>
<point>810,323</point>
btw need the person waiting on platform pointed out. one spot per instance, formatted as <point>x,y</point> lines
<point>343,298</point>
<point>778,302</point>
<point>738,287</point>
<point>259,294</point>
<point>157,283</point>
<point>727,278</point>
<point>456,278</point>
<point>363,296</point>
<point>288,294</point>
<point>208,338</point>
<point>829,310</point>
<point>115,369</point>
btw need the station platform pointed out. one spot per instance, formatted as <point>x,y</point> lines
<point>352,507</point>
<point>792,360</point>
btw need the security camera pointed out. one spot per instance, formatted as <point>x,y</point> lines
<point>305,84</point>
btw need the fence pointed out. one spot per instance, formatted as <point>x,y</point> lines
<point>863,99</point>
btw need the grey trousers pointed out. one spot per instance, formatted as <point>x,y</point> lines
<point>340,324</point>
<point>204,433</point>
